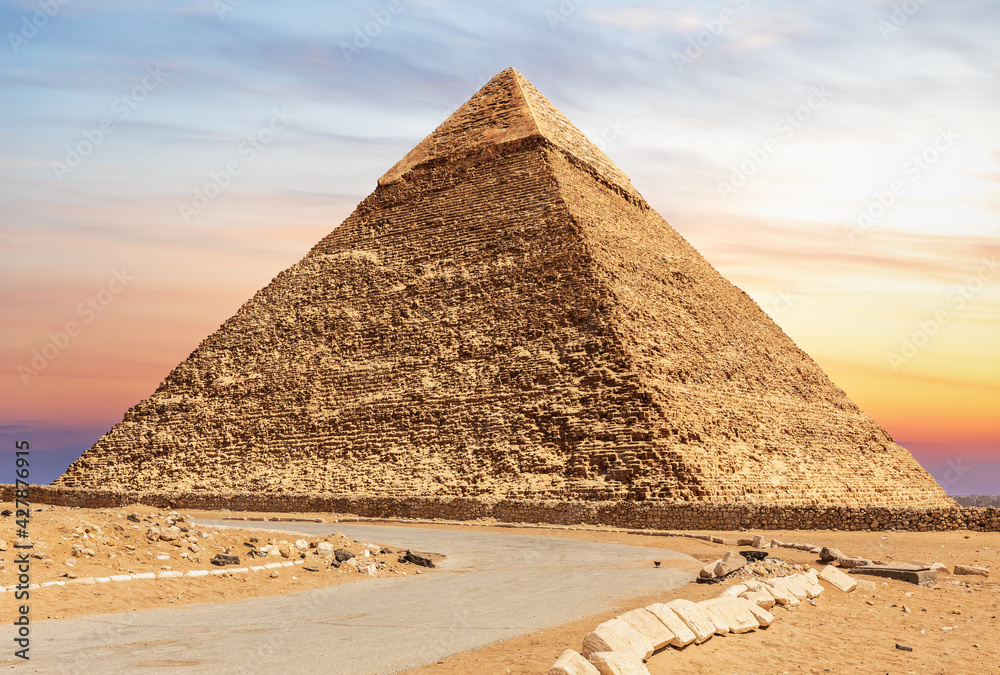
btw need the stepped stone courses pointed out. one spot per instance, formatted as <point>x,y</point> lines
<point>505,316</point>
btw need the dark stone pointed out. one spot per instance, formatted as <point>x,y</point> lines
<point>307,568</point>
<point>132,518</point>
<point>254,539</point>
<point>342,554</point>
<point>754,556</point>
<point>656,563</point>
<point>703,580</point>
<point>221,559</point>
<point>903,648</point>
<point>925,578</point>
<point>416,559</point>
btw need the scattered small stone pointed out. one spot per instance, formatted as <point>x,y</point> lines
<point>416,559</point>
<point>222,559</point>
<point>274,574</point>
<point>971,570</point>
<point>342,555</point>
<point>903,648</point>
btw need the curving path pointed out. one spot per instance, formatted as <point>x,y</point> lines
<point>492,587</point>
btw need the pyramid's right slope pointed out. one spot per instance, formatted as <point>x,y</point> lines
<point>506,315</point>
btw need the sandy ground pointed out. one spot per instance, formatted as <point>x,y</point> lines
<point>109,542</point>
<point>855,632</point>
<point>843,633</point>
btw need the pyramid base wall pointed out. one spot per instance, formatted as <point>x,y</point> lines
<point>648,515</point>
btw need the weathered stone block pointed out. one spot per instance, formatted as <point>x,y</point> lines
<point>572,663</point>
<point>683,635</point>
<point>617,636</point>
<point>696,618</point>
<point>647,624</point>
<point>618,663</point>
<point>838,579</point>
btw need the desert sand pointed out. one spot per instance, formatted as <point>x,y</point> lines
<point>114,544</point>
<point>843,633</point>
<point>855,632</point>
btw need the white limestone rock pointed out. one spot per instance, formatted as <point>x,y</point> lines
<point>572,663</point>
<point>838,579</point>
<point>618,663</point>
<point>700,623</point>
<point>650,626</point>
<point>762,599</point>
<point>733,612</point>
<point>617,636</point>
<point>683,636</point>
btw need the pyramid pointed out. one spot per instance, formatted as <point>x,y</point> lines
<point>505,315</point>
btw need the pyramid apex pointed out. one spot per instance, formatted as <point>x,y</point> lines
<point>507,108</point>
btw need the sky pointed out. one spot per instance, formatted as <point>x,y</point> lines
<point>840,162</point>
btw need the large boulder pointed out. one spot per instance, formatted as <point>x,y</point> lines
<point>790,586</point>
<point>731,563</point>
<point>733,612</point>
<point>572,663</point>
<point>838,579</point>
<point>761,598</point>
<point>782,594</point>
<point>650,626</point>
<point>708,571</point>
<point>700,623</point>
<point>683,636</point>
<point>809,584</point>
<point>618,663</point>
<point>617,636</point>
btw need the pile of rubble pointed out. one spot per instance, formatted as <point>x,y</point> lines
<point>69,544</point>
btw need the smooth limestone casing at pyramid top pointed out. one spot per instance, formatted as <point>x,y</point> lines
<point>505,315</point>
